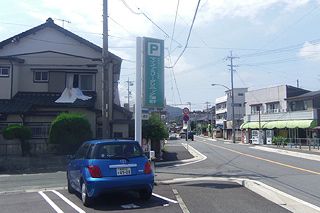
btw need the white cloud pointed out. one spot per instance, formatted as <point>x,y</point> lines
<point>310,52</point>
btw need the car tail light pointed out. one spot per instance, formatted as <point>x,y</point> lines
<point>95,171</point>
<point>147,168</point>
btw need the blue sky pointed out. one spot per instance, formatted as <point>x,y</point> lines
<point>276,42</point>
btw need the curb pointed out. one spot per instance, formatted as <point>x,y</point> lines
<point>197,157</point>
<point>280,198</point>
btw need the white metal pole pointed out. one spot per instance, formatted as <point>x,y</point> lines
<point>138,123</point>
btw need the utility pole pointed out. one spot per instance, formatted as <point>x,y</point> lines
<point>208,117</point>
<point>130,83</point>
<point>104,76</point>
<point>232,94</point>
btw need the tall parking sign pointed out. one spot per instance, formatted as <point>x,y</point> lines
<point>153,61</point>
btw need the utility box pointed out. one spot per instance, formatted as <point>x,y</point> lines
<point>269,136</point>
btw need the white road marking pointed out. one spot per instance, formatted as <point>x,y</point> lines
<point>68,202</point>
<point>164,198</point>
<point>181,203</point>
<point>51,203</point>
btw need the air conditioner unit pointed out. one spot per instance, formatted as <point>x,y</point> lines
<point>276,110</point>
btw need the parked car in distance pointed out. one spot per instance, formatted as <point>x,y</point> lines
<point>182,135</point>
<point>104,166</point>
<point>191,135</point>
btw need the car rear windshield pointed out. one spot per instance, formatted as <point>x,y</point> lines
<point>117,150</point>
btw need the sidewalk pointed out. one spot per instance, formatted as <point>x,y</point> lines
<point>304,149</point>
<point>177,152</point>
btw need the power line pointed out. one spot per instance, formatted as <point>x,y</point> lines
<point>159,28</point>
<point>129,8</point>
<point>174,24</point>
<point>184,49</point>
<point>121,26</point>
<point>289,27</point>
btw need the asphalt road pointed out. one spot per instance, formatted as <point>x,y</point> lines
<point>296,176</point>
<point>183,188</point>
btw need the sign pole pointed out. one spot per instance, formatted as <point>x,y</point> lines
<point>186,118</point>
<point>138,122</point>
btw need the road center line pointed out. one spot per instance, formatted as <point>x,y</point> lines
<point>51,203</point>
<point>270,161</point>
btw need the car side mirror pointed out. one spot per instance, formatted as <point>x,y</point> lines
<point>70,157</point>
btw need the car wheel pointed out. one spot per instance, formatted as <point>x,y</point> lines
<point>86,200</point>
<point>145,195</point>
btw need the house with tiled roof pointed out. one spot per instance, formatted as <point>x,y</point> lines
<point>48,70</point>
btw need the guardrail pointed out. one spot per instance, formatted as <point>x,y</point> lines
<point>35,148</point>
<point>310,143</point>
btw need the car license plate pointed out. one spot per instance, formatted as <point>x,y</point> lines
<point>124,171</point>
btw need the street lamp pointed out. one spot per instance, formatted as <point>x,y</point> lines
<point>232,105</point>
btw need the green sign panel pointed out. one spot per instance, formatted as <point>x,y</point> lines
<point>153,62</point>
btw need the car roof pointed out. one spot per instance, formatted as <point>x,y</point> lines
<point>111,141</point>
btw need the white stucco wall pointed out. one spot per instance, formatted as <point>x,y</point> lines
<point>266,95</point>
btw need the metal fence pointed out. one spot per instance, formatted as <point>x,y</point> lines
<point>298,143</point>
<point>36,149</point>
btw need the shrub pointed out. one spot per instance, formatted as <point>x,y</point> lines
<point>69,131</point>
<point>154,129</point>
<point>204,129</point>
<point>22,133</point>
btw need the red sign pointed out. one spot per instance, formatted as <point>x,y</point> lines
<point>186,118</point>
<point>185,110</point>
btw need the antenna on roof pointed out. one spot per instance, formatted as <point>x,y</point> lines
<point>63,21</point>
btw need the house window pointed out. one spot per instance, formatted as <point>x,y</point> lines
<point>40,76</point>
<point>255,109</point>
<point>299,105</point>
<point>273,107</point>
<point>237,105</point>
<point>4,71</point>
<point>240,94</point>
<point>84,82</point>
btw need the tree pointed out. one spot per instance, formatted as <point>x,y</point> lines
<point>193,126</point>
<point>69,131</point>
<point>154,129</point>
<point>22,133</point>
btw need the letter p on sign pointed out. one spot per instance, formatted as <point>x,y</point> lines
<point>154,49</point>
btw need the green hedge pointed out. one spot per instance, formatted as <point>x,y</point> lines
<point>22,133</point>
<point>69,131</point>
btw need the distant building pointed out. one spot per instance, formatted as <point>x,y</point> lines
<point>288,111</point>
<point>224,112</point>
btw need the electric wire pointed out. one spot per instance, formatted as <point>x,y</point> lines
<point>184,49</point>
<point>179,45</point>
<point>121,26</point>
<point>174,25</point>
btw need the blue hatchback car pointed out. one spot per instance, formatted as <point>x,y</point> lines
<point>105,166</point>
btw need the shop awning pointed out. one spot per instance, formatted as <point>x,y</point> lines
<point>280,124</point>
<point>252,125</point>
